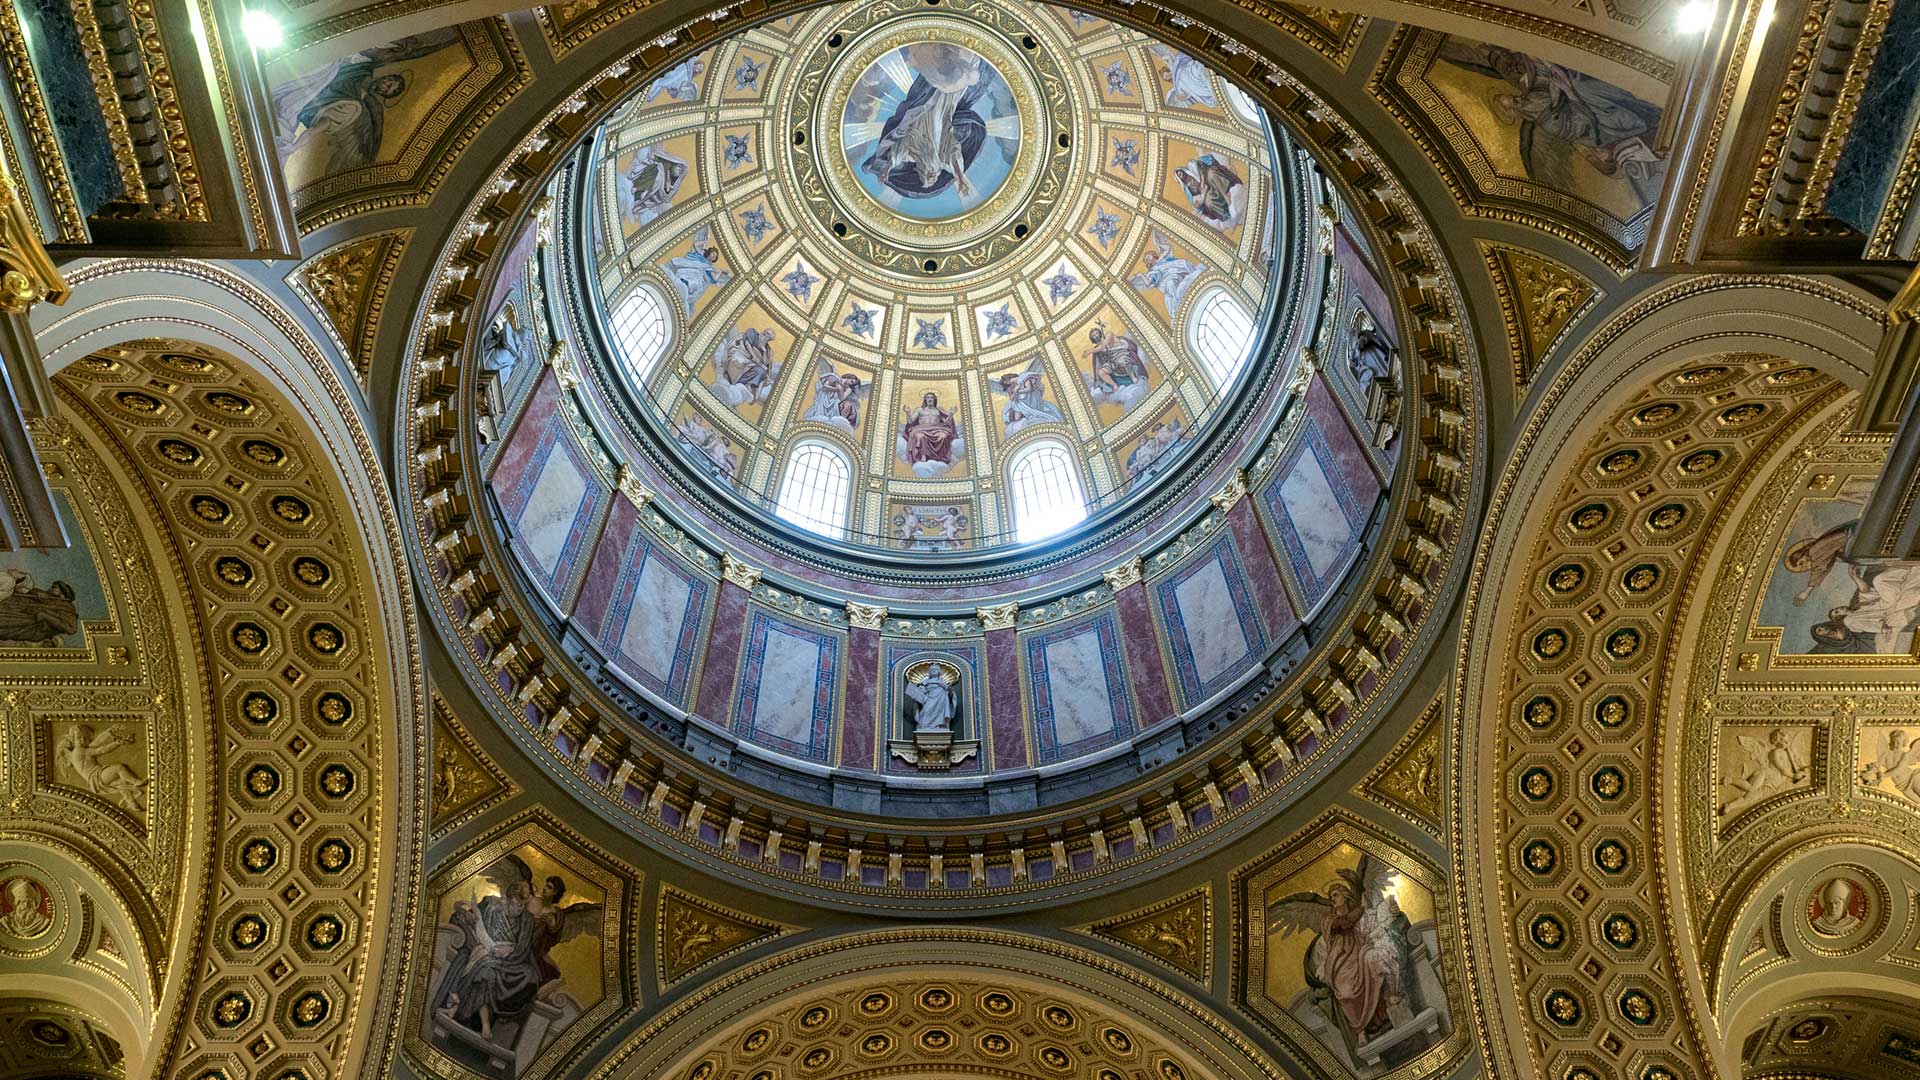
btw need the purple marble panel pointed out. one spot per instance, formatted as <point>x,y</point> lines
<point>723,654</point>
<point>1360,273</point>
<point>609,556</point>
<point>1263,573</point>
<point>527,430</point>
<point>1150,690</point>
<point>1003,687</point>
<point>1344,442</point>
<point>860,719</point>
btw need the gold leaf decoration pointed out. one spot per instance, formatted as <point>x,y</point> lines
<point>694,933</point>
<point>1177,932</point>
<point>346,286</point>
<point>465,782</point>
<point>1409,780</point>
<point>1540,298</point>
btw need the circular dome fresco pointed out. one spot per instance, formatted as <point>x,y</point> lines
<point>937,446</point>
<point>928,280</point>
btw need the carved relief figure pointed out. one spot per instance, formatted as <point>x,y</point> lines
<point>1763,768</point>
<point>743,367</point>
<point>1837,907</point>
<point>708,447</point>
<point>1896,764</point>
<point>498,988</point>
<point>82,752</point>
<point>1156,450</point>
<point>929,441</point>
<point>26,908</point>
<point>929,528</point>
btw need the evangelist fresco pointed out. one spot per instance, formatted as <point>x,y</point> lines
<point>49,597</point>
<point>1343,945</point>
<point>1825,603</point>
<point>1518,130</point>
<point>379,116</point>
<point>518,955</point>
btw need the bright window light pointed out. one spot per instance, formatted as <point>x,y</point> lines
<point>1693,17</point>
<point>640,330</point>
<point>813,493</point>
<point>1045,484</point>
<point>261,29</point>
<point>1221,335</point>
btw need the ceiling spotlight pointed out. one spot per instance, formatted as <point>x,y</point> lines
<point>1694,17</point>
<point>261,29</point>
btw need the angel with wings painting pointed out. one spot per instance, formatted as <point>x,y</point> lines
<point>1359,968</point>
<point>500,966</point>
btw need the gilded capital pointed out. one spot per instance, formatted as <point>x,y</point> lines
<point>739,572</point>
<point>865,616</point>
<point>1232,492</point>
<point>1127,573</point>
<point>630,485</point>
<point>998,617</point>
<point>27,274</point>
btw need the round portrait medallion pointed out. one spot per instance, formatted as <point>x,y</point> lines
<point>26,909</point>
<point>930,130</point>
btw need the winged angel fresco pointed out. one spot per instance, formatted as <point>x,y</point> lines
<point>1360,968</point>
<point>500,991</point>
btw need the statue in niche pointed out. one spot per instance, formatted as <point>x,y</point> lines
<point>1374,369</point>
<point>931,717</point>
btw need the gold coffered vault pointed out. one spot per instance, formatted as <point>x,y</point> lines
<point>825,541</point>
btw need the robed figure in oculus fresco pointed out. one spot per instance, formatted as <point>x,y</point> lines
<point>936,132</point>
<point>929,440</point>
<point>500,965</point>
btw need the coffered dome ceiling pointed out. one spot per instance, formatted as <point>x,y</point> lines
<point>929,243</point>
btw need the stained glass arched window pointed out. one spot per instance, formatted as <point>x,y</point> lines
<point>1043,482</point>
<point>814,489</point>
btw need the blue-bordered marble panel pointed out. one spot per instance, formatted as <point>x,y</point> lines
<point>657,618</point>
<point>553,507</point>
<point>895,658</point>
<point>1315,513</point>
<point>1213,626</point>
<point>789,686</point>
<point>1077,688</point>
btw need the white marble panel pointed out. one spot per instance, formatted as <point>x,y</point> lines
<point>1317,514</point>
<point>788,671</point>
<point>652,633</point>
<point>1212,623</point>
<point>1077,686</point>
<point>551,508</point>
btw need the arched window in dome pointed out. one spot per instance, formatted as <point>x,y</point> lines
<point>1044,483</point>
<point>1243,107</point>
<point>640,331</point>
<point>1221,335</point>
<point>813,493</point>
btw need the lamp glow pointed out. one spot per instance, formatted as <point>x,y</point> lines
<point>1694,17</point>
<point>261,29</point>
